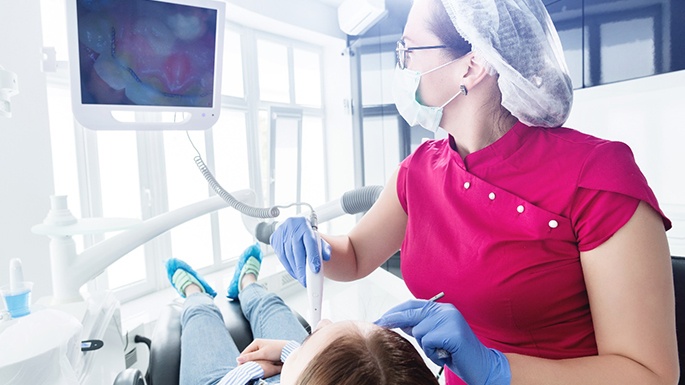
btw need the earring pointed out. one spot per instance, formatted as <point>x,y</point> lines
<point>463,90</point>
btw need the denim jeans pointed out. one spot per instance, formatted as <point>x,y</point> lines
<point>207,349</point>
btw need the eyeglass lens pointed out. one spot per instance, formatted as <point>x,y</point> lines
<point>401,54</point>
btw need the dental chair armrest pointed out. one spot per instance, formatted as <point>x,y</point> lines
<point>130,376</point>
<point>165,348</point>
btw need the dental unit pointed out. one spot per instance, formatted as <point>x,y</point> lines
<point>99,313</point>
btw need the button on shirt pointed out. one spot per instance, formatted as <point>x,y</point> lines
<point>501,231</point>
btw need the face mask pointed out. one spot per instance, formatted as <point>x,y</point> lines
<point>405,87</point>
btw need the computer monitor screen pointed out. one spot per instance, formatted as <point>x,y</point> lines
<point>135,63</point>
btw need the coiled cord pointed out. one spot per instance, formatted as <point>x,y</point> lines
<point>255,212</point>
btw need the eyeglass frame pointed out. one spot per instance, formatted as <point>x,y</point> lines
<point>401,48</point>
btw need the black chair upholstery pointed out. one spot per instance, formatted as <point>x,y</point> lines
<point>679,283</point>
<point>130,377</point>
<point>165,350</point>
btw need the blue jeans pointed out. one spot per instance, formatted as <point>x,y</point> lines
<point>207,349</point>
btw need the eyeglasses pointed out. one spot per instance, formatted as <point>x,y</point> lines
<point>401,52</point>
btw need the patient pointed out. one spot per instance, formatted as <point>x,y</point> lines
<point>350,352</point>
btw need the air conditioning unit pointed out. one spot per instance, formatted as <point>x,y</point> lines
<point>356,16</point>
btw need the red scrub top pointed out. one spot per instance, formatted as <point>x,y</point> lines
<point>501,231</point>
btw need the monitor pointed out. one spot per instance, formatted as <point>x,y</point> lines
<point>146,64</point>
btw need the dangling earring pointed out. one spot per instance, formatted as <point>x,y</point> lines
<point>463,90</point>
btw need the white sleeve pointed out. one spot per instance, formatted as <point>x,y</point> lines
<point>243,374</point>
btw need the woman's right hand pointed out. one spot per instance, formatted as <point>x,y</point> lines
<point>293,241</point>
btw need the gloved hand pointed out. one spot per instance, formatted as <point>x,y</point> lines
<point>293,241</point>
<point>439,326</point>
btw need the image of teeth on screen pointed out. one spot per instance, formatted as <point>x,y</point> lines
<point>146,53</point>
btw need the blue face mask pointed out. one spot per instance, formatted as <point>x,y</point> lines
<point>405,87</point>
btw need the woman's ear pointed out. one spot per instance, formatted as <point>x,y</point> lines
<point>475,72</point>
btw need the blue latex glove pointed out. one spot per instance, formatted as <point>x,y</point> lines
<point>293,241</point>
<point>440,327</point>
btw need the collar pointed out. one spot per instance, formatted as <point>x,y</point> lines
<point>496,152</point>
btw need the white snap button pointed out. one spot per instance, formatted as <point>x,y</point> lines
<point>520,209</point>
<point>467,185</point>
<point>553,224</point>
<point>492,196</point>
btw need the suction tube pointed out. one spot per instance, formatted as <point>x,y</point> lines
<point>361,199</point>
<point>250,211</point>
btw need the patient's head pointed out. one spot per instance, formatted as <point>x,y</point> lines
<point>355,353</point>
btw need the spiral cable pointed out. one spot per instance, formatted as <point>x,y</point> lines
<point>255,212</point>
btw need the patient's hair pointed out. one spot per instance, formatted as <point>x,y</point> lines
<point>377,357</point>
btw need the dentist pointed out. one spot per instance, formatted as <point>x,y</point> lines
<point>548,243</point>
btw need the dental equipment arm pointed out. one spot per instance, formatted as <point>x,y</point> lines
<point>71,271</point>
<point>352,202</point>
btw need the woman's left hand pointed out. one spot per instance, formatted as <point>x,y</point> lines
<point>270,368</point>
<point>447,339</point>
<point>267,353</point>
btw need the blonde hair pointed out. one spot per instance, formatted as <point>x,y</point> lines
<point>379,357</point>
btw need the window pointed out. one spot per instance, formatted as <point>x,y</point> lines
<point>273,72</point>
<point>384,154</point>
<point>144,174</point>
<point>191,241</point>
<point>626,39</point>
<point>232,74</point>
<point>616,40</point>
<point>233,172</point>
<point>120,196</point>
<point>307,68</point>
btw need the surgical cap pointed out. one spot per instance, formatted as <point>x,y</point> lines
<point>517,38</point>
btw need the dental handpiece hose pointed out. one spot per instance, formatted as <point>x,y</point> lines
<point>315,279</point>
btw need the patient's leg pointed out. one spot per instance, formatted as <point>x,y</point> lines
<point>208,352</point>
<point>269,316</point>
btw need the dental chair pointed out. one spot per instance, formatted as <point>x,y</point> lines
<point>165,347</point>
<point>165,352</point>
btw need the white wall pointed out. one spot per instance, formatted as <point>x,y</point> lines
<point>646,114</point>
<point>26,179</point>
<point>313,16</point>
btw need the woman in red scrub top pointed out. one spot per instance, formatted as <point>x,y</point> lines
<point>548,243</point>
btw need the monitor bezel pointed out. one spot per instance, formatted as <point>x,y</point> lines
<point>144,117</point>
